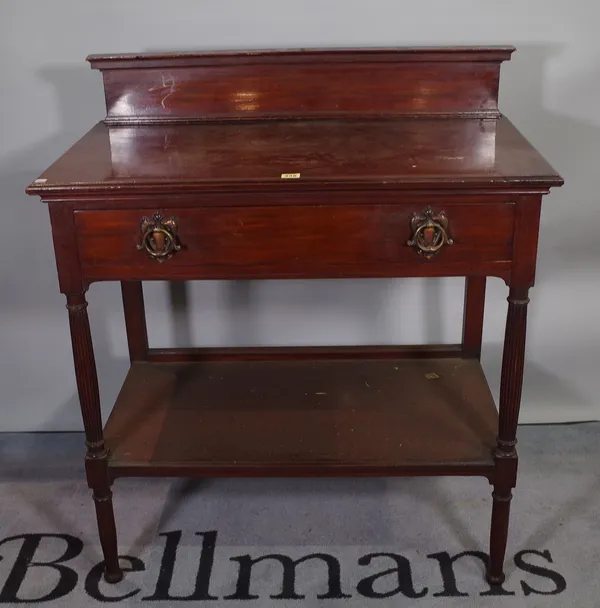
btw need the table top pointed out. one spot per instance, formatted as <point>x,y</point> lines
<point>404,152</point>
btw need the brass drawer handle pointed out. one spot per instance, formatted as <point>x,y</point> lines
<point>159,237</point>
<point>430,232</point>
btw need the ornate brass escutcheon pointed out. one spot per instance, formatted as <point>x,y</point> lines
<point>159,237</point>
<point>430,232</point>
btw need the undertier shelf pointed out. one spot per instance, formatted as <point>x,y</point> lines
<point>303,418</point>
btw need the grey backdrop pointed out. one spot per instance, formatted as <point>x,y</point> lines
<point>49,97</point>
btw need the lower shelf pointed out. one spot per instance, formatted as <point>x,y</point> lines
<point>303,418</point>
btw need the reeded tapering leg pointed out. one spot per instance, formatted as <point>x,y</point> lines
<point>513,360</point>
<point>96,460</point>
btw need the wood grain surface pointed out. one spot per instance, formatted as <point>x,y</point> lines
<point>319,417</point>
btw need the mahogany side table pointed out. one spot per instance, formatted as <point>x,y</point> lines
<point>300,164</point>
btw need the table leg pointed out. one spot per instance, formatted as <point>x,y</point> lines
<point>135,320</point>
<point>96,460</point>
<point>506,455</point>
<point>473,316</point>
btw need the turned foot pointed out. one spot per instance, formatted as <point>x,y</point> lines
<point>108,534</point>
<point>495,579</point>
<point>113,577</point>
<point>498,536</point>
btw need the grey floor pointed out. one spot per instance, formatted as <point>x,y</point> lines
<point>421,524</point>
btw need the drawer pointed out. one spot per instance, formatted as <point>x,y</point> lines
<point>296,241</point>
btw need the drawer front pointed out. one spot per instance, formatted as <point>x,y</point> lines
<point>296,241</point>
